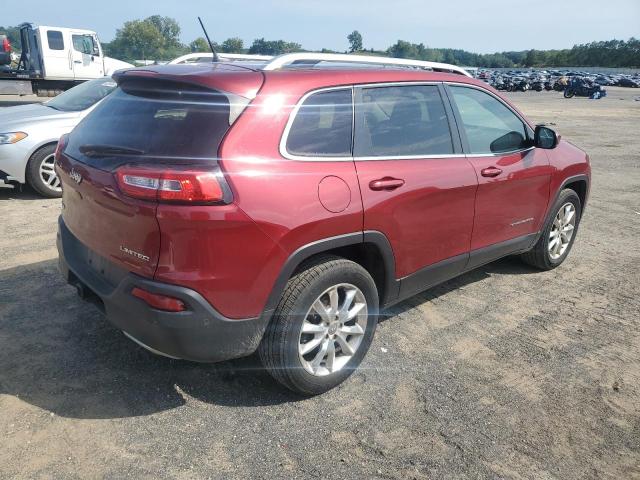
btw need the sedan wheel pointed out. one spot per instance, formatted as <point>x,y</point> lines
<point>48,174</point>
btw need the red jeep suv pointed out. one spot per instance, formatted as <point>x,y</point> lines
<point>212,210</point>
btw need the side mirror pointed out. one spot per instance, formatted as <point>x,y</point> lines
<point>545,138</point>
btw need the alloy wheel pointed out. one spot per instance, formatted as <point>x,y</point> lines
<point>333,329</point>
<point>48,174</point>
<point>564,225</point>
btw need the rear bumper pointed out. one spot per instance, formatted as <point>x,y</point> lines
<point>199,334</point>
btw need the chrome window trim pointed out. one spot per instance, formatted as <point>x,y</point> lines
<point>294,112</point>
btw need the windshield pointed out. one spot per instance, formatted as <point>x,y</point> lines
<point>83,96</point>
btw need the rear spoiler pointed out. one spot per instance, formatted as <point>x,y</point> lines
<point>228,78</point>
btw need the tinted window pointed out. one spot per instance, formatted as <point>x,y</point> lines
<point>155,120</point>
<point>490,126</point>
<point>83,43</point>
<point>322,127</point>
<point>54,38</point>
<point>400,121</point>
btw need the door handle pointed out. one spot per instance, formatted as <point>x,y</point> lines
<point>490,172</point>
<point>77,61</point>
<point>386,183</point>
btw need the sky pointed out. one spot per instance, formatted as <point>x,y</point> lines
<point>481,26</point>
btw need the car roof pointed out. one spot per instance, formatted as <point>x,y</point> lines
<point>246,79</point>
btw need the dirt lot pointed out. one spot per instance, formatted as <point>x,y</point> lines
<point>501,373</point>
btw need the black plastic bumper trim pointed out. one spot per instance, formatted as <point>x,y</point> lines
<point>200,333</point>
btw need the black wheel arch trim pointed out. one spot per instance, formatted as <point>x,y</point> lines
<point>309,250</point>
<point>552,201</point>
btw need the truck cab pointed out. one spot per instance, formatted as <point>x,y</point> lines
<point>54,59</point>
<point>70,53</point>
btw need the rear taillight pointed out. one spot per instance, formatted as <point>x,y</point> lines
<point>62,143</point>
<point>173,185</point>
<point>6,45</point>
<point>159,302</point>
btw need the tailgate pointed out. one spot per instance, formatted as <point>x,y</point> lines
<point>120,229</point>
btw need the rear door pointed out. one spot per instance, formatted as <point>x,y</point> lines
<point>86,55</point>
<point>56,53</point>
<point>417,187</point>
<point>513,176</point>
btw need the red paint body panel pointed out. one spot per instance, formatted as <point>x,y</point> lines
<point>220,253</point>
<point>513,203</point>
<point>430,217</point>
<point>101,217</point>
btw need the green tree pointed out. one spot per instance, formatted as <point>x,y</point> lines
<point>154,38</point>
<point>233,45</point>
<point>261,46</point>
<point>137,39</point>
<point>168,28</point>
<point>200,45</point>
<point>355,41</point>
<point>402,49</point>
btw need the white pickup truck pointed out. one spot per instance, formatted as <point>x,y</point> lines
<point>54,59</point>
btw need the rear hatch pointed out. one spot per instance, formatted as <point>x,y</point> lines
<point>150,123</point>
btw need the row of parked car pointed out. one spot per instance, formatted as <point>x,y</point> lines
<point>558,80</point>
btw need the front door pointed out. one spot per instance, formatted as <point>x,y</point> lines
<point>513,176</point>
<point>87,61</point>
<point>417,187</point>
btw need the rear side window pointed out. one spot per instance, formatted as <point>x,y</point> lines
<point>54,39</point>
<point>155,120</point>
<point>322,127</point>
<point>490,126</point>
<point>401,121</point>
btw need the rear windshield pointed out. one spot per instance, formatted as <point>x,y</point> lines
<point>143,120</point>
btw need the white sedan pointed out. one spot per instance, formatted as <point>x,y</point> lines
<point>29,135</point>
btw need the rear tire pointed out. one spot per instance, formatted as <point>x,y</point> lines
<point>41,175</point>
<point>554,244</point>
<point>320,299</point>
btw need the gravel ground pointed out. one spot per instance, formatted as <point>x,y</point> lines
<point>501,373</point>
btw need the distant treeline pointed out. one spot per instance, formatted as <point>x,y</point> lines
<point>611,53</point>
<point>158,38</point>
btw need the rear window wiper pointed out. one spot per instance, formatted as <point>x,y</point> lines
<point>105,150</point>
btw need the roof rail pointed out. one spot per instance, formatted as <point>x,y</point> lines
<point>289,58</point>
<point>222,56</point>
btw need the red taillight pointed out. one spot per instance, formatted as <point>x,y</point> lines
<point>60,147</point>
<point>182,186</point>
<point>160,302</point>
<point>6,45</point>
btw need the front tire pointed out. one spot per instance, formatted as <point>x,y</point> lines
<point>556,240</point>
<point>41,175</point>
<point>569,93</point>
<point>322,327</point>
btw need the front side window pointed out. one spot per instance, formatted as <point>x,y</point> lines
<point>83,44</point>
<point>401,121</point>
<point>490,126</point>
<point>54,39</point>
<point>322,126</point>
